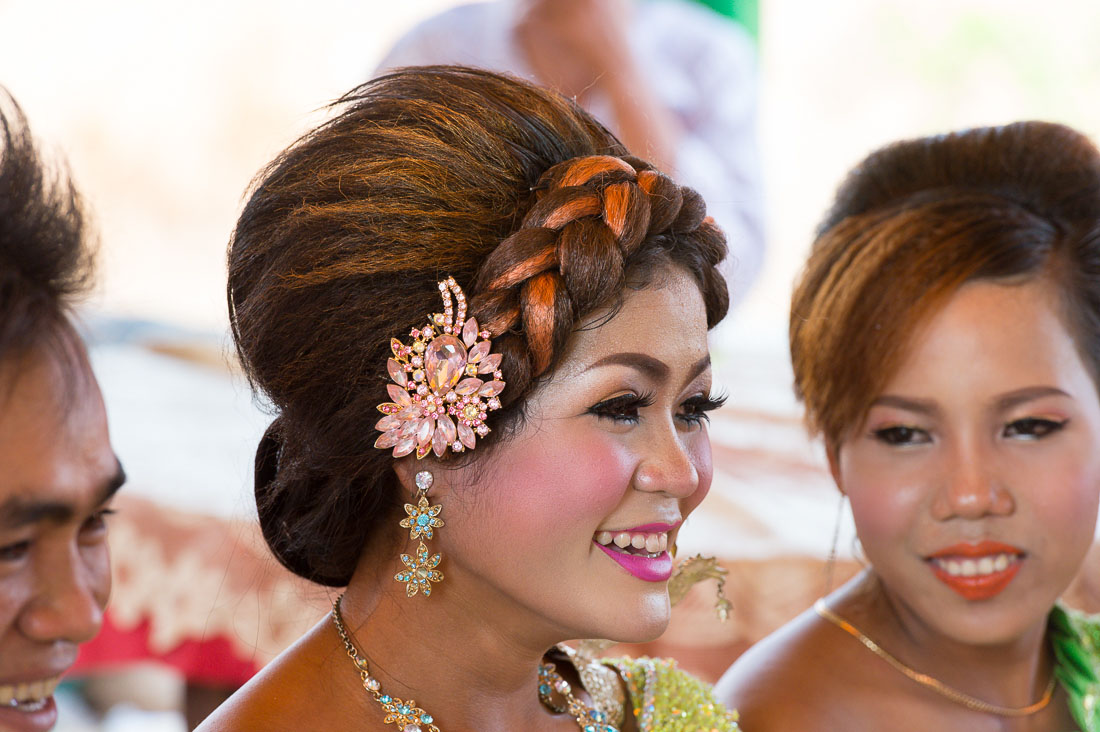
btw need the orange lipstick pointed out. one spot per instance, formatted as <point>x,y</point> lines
<point>977,571</point>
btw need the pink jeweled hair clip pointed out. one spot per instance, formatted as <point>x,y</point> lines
<point>434,407</point>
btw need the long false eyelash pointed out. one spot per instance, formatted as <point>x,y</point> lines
<point>624,407</point>
<point>700,405</point>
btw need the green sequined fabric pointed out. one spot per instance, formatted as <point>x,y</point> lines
<point>665,699</point>
<point>1075,640</point>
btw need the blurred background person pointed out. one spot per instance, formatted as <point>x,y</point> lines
<point>673,79</point>
<point>58,472</point>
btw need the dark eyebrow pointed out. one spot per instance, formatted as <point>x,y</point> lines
<point>1021,396</point>
<point>654,368</point>
<point>18,512</point>
<point>920,406</point>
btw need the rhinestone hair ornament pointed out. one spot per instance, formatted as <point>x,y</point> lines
<point>445,382</point>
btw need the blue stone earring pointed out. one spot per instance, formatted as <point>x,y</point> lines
<point>422,520</point>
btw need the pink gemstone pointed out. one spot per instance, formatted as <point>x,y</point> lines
<point>482,430</point>
<point>399,395</point>
<point>468,386</point>
<point>404,446</point>
<point>424,431</point>
<point>444,361</point>
<point>469,332</point>
<point>439,443</point>
<point>397,347</point>
<point>447,427</point>
<point>485,334</point>
<point>387,423</point>
<point>410,427</point>
<point>387,440</point>
<point>489,363</point>
<point>491,389</point>
<point>466,435</point>
<point>480,351</point>
<point>389,408</point>
<point>396,371</point>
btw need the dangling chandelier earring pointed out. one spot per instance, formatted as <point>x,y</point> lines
<point>422,520</point>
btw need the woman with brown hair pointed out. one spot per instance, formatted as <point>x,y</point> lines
<point>483,326</point>
<point>946,341</point>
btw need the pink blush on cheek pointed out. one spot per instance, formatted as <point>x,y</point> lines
<point>580,483</point>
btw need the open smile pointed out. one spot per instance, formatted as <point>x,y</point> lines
<point>642,551</point>
<point>28,706</point>
<point>977,571</point>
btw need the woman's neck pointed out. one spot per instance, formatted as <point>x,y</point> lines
<point>468,659</point>
<point>1012,673</point>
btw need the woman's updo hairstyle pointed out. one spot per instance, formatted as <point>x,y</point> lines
<point>918,219</point>
<point>534,208</point>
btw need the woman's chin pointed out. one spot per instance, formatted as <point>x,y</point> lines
<point>638,619</point>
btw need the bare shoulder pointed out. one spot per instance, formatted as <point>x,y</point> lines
<point>284,696</point>
<point>788,680</point>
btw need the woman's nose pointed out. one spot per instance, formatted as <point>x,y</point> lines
<point>972,488</point>
<point>668,467</point>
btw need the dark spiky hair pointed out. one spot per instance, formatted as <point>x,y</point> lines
<point>45,258</point>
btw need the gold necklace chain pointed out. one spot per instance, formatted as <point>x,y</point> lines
<point>934,684</point>
<point>410,718</point>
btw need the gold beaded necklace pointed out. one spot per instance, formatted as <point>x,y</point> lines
<point>410,718</point>
<point>934,684</point>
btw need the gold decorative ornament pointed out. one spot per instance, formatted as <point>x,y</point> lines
<point>697,569</point>
<point>420,569</point>
<point>408,717</point>
<point>445,382</point>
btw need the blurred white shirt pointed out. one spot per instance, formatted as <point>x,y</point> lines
<point>702,67</point>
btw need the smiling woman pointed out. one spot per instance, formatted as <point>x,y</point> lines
<point>946,341</point>
<point>484,327</point>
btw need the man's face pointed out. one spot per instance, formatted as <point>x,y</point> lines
<point>57,476</point>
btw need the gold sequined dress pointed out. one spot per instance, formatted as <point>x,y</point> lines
<point>665,699</point>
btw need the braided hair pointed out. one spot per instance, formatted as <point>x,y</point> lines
<point>527,201</point>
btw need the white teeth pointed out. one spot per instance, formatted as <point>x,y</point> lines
<point>643,542</point>
<point>28,696</point>
<point>975,567</point>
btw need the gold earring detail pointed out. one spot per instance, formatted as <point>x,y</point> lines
<point>422,520</point>
<point>697,569</point>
